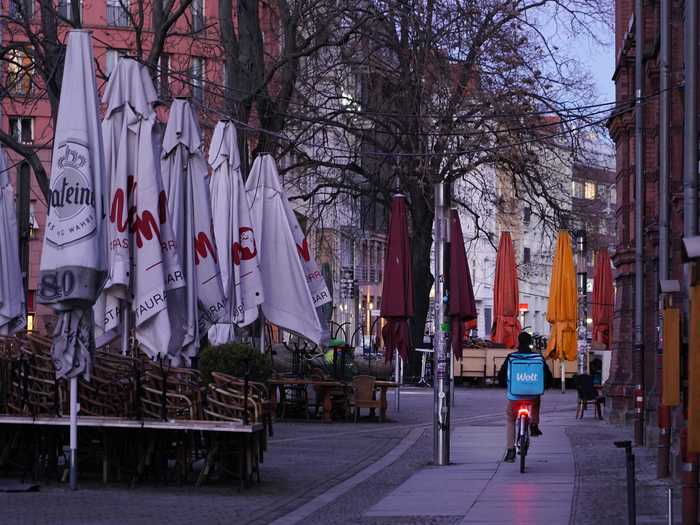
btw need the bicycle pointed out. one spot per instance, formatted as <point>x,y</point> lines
<point>522,432</point>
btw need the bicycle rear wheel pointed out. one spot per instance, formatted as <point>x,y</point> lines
<point>523,453</point>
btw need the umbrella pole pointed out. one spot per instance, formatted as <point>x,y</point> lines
<point>563,375</point>
<point>397,375</point>
<point>73,472</point>
<point>262,333</point>
<point>125,328</point>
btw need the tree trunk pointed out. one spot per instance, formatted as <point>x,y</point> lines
<point>422,214</point>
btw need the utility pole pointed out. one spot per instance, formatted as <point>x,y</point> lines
<point>664,412</point>
<point>23,189</point>
<point>442,351</point>
<point>690,229</point>
<point>639,223</point>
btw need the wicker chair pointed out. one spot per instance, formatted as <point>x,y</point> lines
<point>364,395</point>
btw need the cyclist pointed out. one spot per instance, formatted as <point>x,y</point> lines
<point>525,346</point>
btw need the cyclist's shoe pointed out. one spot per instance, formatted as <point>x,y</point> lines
<point>535,431</point>
<point>510,456</point>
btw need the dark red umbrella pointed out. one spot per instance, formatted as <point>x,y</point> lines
<point>397,290</point>
<point>603,297</point>
<point>462,307</point>
<point>506,326</point>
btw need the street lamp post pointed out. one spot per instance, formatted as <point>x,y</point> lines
<point>582,275</point>
<point>441,355</point>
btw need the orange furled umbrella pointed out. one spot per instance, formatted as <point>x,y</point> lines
<point>562,307</point>
<point>506,296</point>
<point>603,297</point>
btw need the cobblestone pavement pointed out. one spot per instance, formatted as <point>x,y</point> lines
<point>307,459</point>
<point>601,495</point>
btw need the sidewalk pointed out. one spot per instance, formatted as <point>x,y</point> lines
<point>574,475</point>
<point>481,489</point>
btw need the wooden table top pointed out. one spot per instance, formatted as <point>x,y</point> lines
<point>153,424</point>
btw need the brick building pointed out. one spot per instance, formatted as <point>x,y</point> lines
<point>191,64</point>
<point>622,128</point>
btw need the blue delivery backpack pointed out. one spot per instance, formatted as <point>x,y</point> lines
<point>525,376</point>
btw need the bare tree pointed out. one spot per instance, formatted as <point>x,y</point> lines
<point>439,90</point>
<point>33,51</point>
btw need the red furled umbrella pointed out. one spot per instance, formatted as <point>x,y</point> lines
<point>397,290</point>
<point>506,326</point>
<point>602,299</point>
<point>462,307</point>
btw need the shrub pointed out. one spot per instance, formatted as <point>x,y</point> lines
<point>232,358</point>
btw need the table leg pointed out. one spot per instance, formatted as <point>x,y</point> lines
<point>327,404</point>
<point>382,410</point>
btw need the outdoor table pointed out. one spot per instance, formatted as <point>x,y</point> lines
<point>324,387</point>
<point>247,432</point>
<point>383,386</point>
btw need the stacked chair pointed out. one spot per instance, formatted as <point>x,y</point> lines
<point>133,388</point>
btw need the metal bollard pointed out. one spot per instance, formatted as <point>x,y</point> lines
<point>669,497</point>
<point>631,490</point>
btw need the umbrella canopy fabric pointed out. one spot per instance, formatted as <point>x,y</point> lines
<point>603,299</point>
<point>234,234</point>
<point>506,296</point>
<point>73,264</point>
<point>12,307</point>
<point>563,305</point>
<point>144,269</point>
<point>288,301</point>
<point>462,306</point>
<point>185,181</point>
<point>397,290</point>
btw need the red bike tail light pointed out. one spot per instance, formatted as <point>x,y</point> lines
<point>523,412</point>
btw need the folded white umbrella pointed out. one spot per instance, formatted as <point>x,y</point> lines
<point>145,272</point>
<point>235,236</point>
<point>129,96</point>
<point>185,180</point>
<point>12,306</point>
<point>73,264</point>
<point>74,259</point>
<point>288,302</point>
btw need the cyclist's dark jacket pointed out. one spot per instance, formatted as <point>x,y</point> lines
<point>503,372</point>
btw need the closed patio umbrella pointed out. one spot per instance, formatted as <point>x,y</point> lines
<point>603,298</point>
<point>12,307</point>
<point>397,289</point>
<point>506,296</point>
<point>562,306</point>
<point>73,264</point>
<point>145,274</point>
<point>288,302</point>
<point>185,179</point>
<point>235,237</point>
<point>462,306</point>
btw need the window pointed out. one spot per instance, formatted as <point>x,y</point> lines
<point>526,255</point>
<point>22,129</point>
<point>113,56</point>
<point>527,213</point>
<point>66,11</point>
<point>197,15</point>
<point>589,190</point>
<point>19,72</point>
<point>487,323</point>
<point>577,189</point>
<point>21,9</point>
<point>613,195</point>
<point>197,74</point>
<point>118,13</point>
<point>164,76</point>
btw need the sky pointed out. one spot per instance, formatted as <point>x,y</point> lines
<point>600,61</point>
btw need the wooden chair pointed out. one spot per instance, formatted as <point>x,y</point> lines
<point>587,393</point>
<point>364,395</point>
